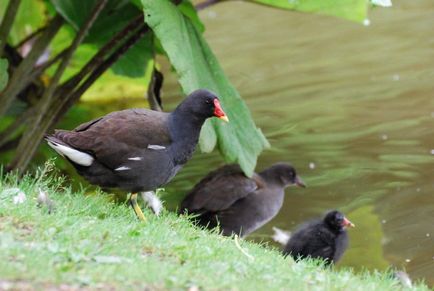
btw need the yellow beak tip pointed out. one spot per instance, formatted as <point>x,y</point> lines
<point>224,118</point>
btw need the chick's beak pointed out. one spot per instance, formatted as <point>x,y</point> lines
<point>218,111</point>
<point>347,223</point>
<point>299,182</point>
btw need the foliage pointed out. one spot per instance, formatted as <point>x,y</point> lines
<point>90,241</point>
<point>355,10</point>
<point>116,38</point>
<point>115,15</point>
<point>197,67</point>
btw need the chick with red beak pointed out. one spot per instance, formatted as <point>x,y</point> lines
<point>347,223</point>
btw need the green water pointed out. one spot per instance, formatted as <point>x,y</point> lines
<point>351,107</point>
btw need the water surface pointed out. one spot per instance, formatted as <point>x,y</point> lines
<point>351,107</point>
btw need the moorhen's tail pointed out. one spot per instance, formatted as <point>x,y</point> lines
<point>65,150</point>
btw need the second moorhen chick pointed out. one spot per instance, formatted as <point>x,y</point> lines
<point>326,238</point>
<point>238,204</point>
<point>137,149</point>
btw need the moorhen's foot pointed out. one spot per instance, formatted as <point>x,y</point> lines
<point>151,200</point>
<point>137,210</point>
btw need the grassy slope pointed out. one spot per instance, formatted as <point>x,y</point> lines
<point>90,241</point>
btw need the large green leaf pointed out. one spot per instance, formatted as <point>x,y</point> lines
<point>355,10</point>
<point>238,141</point>
<point>113,18</point>
<point>134,63</point>
<point>3,73</point>
<point>187,8</point>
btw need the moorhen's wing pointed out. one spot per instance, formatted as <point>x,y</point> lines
<point>341,245</point>
<point>220,189</point>
<point>323,246</point>
<point>112,138</point>
<point>298,240</point>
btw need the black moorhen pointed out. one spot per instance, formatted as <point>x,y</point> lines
<point>238,204</point>
<point>137,149</point>
<point>326,238</point>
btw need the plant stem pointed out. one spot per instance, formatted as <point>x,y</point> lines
<point>21,120</point>
<point>20,78</point>
<point>98,58</point>
<point>121,50</point>
<point>61,104</point>
<point>29,37</point>
<point>206,4</point>
<point>31,138</point>
<point>154,89</point>
<point>8,19</point>
<point>36,72</point>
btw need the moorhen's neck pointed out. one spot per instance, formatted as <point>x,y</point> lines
<point>271,178</point>
<point>334,228</point>
<point>184,128</point>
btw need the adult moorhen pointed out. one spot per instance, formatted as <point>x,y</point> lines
<point>137,149</point>
<point>238,204</point>
<point>326,238</point>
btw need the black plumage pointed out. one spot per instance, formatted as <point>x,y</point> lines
<point>137,149</point>
<point>326,238</point>
<point>238,204</point>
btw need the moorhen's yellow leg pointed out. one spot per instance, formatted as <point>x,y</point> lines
<point>137,210</point>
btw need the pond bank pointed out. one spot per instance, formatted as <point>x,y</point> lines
<point>89,241</point>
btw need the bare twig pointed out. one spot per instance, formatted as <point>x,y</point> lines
<point>6,24</point>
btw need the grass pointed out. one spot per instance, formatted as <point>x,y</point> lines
<point>91,242</point>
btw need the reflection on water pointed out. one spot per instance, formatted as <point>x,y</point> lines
<point>351,107</point>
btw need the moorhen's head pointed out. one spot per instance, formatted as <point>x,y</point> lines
<point>284,174</point>
<point>203,104</point>
<point>337,221</point>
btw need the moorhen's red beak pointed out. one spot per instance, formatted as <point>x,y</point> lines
<point>299,182</point>
<point>218,111</point>
<point>347,223</point>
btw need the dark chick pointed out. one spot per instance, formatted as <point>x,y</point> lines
<point>137,149</point>
<point>326,238</point>
<point>238,204</point>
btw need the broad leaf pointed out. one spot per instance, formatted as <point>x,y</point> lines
<point>187,8</point>
<point>112,19</point>
<point>239,140</point>
<point>3,74</point>
<point>355,10</point>
<point>134,63</point>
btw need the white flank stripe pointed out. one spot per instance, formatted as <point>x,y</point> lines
<point>74,155</point>
<point>135,159</point>
<point>123,168</point>
<point>156,147</point>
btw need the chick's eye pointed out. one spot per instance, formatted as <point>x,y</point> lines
<point>207,101</point>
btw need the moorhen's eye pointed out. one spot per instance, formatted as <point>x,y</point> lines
<point>207,101</point>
